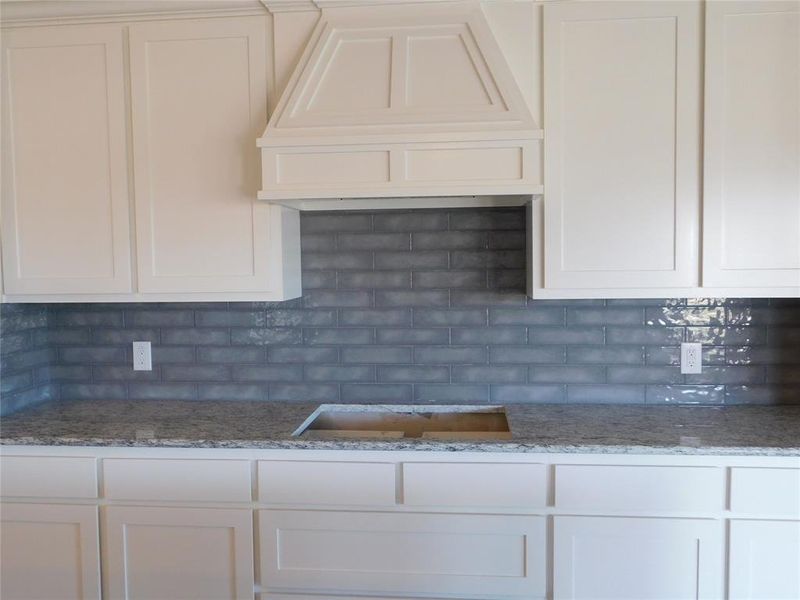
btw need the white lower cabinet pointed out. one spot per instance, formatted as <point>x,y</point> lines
<point>637,558</point>
<point>235,524</point>
<point>155,553</point>
<point>49,551</point>
<point>389,554</point>
<point>764,560</point>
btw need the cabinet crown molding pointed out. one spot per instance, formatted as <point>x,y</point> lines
<point>54,12</point>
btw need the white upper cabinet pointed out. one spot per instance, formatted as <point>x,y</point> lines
<point>199,93</point>
<point>622,98</point>
<point>751,233</point>
<point>65,185</point>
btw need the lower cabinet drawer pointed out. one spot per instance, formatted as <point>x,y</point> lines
<point>326,483</point>
<point>770,492</point>
<point>389,554</point>
<point>640,489</point>
<point>48,477</point>
<point>189,480</point>
<point>475,484</point>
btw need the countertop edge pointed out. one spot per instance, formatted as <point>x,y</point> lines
<point>402,446</point>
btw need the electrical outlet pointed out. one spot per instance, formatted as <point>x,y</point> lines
<point>142,358</point>
<point>691,358</point>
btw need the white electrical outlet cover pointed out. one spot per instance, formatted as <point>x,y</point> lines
<point>691,358</point>
<point>142,357</point>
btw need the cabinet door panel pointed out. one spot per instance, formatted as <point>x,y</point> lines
<point>49,551</point>
<point>178,553</point>
<point>751,222</point>
<point>65,189</point>
<point>385,554</point>
<point>199,102</point>
<point>637,558</point>
<point>622,150</point>
<point>764,560</point>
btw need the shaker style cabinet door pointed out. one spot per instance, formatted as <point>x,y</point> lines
<point>630,558</point>
<point>49,551</point>
<point>401,555</point>
<point>764,560</point>
<point>199,101</point>
<point>622,98</point>
<point>65,226</point>
<point>153,553</point>
<point>751,222</point>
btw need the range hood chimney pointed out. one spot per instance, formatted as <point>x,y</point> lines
<point>395,99</point>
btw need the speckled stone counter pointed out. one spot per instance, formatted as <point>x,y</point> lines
<point>610,429</point>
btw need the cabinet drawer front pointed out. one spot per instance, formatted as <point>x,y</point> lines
<point>474,484</point>
<point>766,491</point>
<point>48,477</point>
<point>639,489</point>
<point>471,556</point>
<point>329,483</point>
<point>190,480</point>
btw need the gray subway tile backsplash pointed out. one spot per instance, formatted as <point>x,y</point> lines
<point>414,374</point>
<point>408,306</point>
<point>447,317</point>
<point>527,355</point>
<point>443,355</point>
<point>566,374</point>
<point>534,393</point>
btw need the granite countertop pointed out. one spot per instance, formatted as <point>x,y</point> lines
<point>610,429</point>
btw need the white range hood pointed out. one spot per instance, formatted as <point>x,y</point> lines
<point>400,100</point>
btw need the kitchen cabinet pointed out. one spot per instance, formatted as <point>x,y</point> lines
<point>65,198</point>
<point>751,200</point>
<point>623,214</point>
<point>49,551</point>
<point>763,560</point>
<point>199,95</point>
<point>386,554</point>
<point>313,524</point>
<point>636,558</point>
<point>177,553</point>
<point>622,97</point>
<point>176,103</point>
